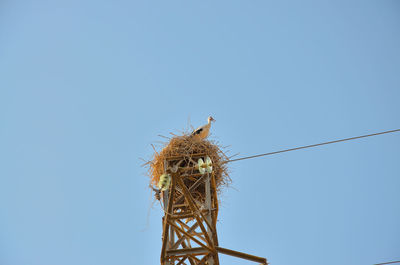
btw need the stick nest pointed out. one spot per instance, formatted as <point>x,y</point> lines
<point>186,146</point>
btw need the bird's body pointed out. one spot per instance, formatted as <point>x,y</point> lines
<point>203,131</point>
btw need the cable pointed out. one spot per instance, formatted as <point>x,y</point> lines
<point>313,145</point>
<point>388,262</point>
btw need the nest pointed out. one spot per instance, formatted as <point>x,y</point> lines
<point>185,148</point>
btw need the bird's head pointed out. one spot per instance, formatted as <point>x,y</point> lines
<point>210,119</point>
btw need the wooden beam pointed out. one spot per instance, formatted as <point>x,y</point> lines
<point>208,215</point>
<point>166,222</point>
<point>180,205</point>
<point>187,251</point>
<point>214,214</point>
<point>183,225</point>
<point>194,257</point>
<point>241,255</point>
<point>204,259</point>
<point>208,205</point>
<point>214,187</point>
<point>181,261</point>
<point>182,216</point>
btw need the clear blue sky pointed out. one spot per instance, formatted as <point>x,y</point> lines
<point>86,87</point>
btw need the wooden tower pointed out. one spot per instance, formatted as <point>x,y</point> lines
<point>191,209</point>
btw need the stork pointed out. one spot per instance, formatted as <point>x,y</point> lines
<point>202,131</point>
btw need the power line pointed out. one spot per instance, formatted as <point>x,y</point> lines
<point>388,262</point>
<point>313,145</point>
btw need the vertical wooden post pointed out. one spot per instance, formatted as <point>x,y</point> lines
<point>208,215</point>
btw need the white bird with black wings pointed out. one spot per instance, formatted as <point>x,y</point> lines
<point>203,131</point>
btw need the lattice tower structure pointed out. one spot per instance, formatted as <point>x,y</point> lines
<point>191,209</point>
